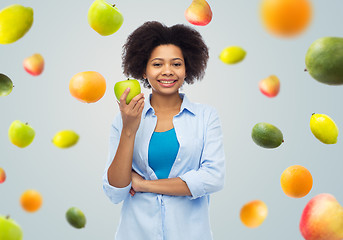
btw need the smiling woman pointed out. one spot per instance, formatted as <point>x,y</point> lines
<point>166,153</point>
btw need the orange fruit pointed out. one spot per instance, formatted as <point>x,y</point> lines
<point>286,18</point>
<point>31,200</point>
<point>296,181</point>
<point>87,86</point>
<point>253,213</point>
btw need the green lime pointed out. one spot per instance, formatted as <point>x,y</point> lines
<point>6,85</point>
<point>267,135</point>
<point>75,217</point>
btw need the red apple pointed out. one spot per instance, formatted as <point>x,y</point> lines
<point>322,219</point>
<point>270,86</point>
<point>199,13</point>
<point>2,175</point>
<point>34,64</point>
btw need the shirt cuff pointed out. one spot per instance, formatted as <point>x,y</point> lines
<point>116,195</point>
<point>194,184</point>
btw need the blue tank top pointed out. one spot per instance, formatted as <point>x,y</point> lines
<point>163,149</point>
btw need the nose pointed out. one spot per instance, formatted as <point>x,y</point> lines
<point>167,70</point>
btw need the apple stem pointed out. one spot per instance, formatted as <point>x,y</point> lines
<point>305,70</point>
<point>8,217</point>
<point>313,113</point>
<point>113,5</point>
<point>26,123</point>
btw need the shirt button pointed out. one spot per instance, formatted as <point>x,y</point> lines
<point>179,159</point>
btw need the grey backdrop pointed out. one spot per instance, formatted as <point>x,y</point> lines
<point>72,177</point>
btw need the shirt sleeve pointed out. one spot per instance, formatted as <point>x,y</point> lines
<point>210,176</point>
<point>116,195</point>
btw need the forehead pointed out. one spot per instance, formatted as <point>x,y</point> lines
<point>167,51</point>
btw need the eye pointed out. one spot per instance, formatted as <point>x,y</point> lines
<point>177,64</point>
<point>157,64</point>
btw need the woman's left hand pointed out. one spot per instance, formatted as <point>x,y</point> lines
<point>137,183</point>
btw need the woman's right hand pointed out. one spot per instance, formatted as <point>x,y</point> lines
<point>131,113</point>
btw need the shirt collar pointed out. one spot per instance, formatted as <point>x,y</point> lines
<point>186,105</point>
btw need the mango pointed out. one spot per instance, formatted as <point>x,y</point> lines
<point>15,21</point>
<point>324,60</point>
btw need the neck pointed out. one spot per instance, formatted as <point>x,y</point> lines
<point>165,102</point>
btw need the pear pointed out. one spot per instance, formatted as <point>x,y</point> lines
<point>199,13</point>
<point>324,60</point>
<point>15,21</point>
<point>104,18</point>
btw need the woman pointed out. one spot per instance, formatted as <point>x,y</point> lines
<point>166,153</point>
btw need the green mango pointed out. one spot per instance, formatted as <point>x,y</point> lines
<point>6,85</point>
<point>266,135</point>
<point>15,21</point>
<point>324,60</point>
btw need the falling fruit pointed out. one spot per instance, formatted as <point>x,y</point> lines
<point>88,87</point>
<point>286,18</point>
<point>2,176</point>
<point>6,85</point>
<point>253,213</point>
<point>76,217</point>
<point>15,21</point>
<point>324,60</point>
<point>121,86</point>
<point>232,55</point>
<point>9,229</point>
<point>21,134</point>
<point>322,218</point>
<point>104,18</point>
<point>65,139</point>
<point>270,86</point>
<point>34,64</point>
<point>296,181</point>
<point>266,135</point>
<point>324,128</point>
<point>199,13</point>
<point>31,200</point>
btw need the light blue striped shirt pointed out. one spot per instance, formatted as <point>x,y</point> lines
<point>200,162</point>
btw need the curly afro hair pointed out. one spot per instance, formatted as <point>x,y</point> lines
<point>141,42</point>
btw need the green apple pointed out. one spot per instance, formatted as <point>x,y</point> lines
<point>21,134</point>
<point>6,85</point>
<point>133,84</point>
<point>15,22</point>
<point>104,18</point>
<point>9,229</point>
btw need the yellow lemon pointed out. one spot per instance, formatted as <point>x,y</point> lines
<point>232,55</point>
<point>65,139</point>
<point>324,128</point>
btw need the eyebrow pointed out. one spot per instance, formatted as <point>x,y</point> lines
<point>163,59</point>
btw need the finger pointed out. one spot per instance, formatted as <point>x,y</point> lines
<point>123,97</point>
<point>140,105</point>
<point>136,99</point>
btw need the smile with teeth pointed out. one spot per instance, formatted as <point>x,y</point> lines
<point>166,82</point>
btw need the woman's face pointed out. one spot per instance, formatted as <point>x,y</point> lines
<point>166,69</point>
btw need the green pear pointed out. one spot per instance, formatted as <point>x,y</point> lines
<point>120,87</point>
<point>21,134</point>
<point>9,229</point>
<point>104,18</point>
<point>15,21</point>
<point>6,85</point>
<point>324,60</point>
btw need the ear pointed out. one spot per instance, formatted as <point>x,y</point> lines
<point>144,75</point>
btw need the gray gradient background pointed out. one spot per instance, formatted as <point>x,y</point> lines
<point>72,177</point>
